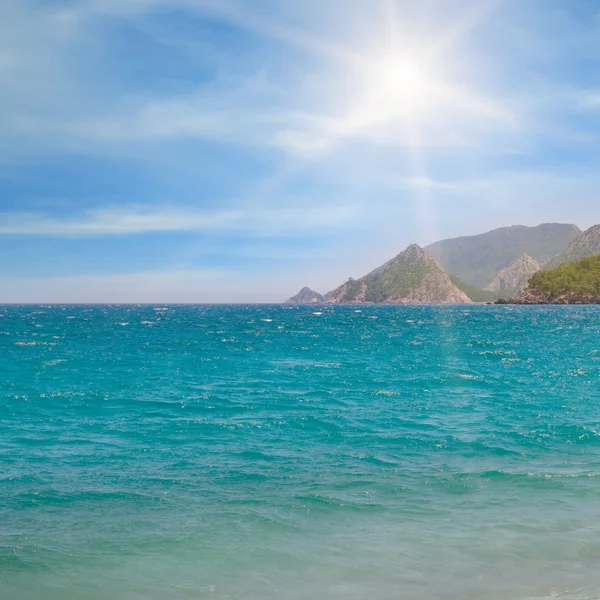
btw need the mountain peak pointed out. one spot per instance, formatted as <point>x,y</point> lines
<point>306,296</point>
<point>515,276</point>
<point>412,277</point>
<point>584,245</point>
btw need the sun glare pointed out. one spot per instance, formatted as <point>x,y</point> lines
<point>400,78</point>
<point>392,94</point>
<point>400,85</point>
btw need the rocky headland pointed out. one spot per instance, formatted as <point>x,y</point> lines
<point>577,282</point>
<point>306,296</point>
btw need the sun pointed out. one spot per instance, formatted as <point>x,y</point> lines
<point>400,85</point>
<point>391,94</point>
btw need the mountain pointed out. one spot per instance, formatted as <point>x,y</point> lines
<point>515,277</point>
<point>412,277</point>
<point>573,283</point>
<point>478,259</point>
<point>586,244</point>
<point>306,296</point>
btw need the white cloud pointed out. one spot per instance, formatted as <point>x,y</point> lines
<point>138,220</point>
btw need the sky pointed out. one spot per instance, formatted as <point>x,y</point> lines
<point>237,150</point>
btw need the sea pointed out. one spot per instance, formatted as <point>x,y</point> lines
<point>299,453</point>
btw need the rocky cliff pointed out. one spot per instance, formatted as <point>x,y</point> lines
<point>306,296</point>
<point>586,244</point>
<point>412,277</point>
<point>515,277</point>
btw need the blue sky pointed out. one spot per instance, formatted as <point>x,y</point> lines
<point>235,150</point>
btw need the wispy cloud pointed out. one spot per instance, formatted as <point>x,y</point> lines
<point>303,117</point>
<point>139,220</point>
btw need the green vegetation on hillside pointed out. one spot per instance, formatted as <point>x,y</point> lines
<point>397,279</point>
<point>581,277</point>
<point>476,294</point>
<point>352,288</point>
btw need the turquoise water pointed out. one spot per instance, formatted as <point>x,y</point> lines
<point>299,453</point>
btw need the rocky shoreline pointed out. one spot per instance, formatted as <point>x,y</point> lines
<point>531,298</point>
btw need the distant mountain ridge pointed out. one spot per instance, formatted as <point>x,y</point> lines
<point>584,245</point>
<point>494,260</point>
<point>412,277</point>
<point>478,259</point>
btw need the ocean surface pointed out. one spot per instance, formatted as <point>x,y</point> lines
<point>287,453</point>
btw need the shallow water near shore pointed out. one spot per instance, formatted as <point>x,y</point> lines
<point>280,452</point>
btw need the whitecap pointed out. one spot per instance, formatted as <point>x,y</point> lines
<point>52,363</point>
